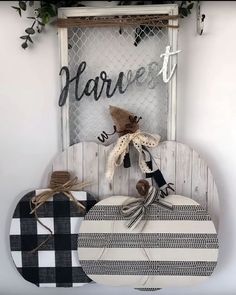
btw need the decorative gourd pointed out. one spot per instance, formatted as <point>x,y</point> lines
<point>168,248</point>
<point>44,246</point>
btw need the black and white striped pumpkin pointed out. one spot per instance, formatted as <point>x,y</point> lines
<point>174,248</point>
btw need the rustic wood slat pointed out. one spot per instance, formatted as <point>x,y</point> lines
<point>121,176</point>
<point>183,175</point>
<point>178,163</point>
<point>156,158</point>
<point>105,189</point>
<point>167,160</point>
<point>199,180</point>
<point>213,205</point>
<point>135,174</point>
<point>70,160</point>
<point>90,166</point>
<point>77,160</point>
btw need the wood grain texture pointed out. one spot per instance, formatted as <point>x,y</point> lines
<point>199,180</point>
<point>168,160</point>
<point>179,164</point>
<point>105,189</point>
<point>183,171</point>
<point>135,174</point>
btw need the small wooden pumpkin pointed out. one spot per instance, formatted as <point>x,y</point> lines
<point>49,260</point>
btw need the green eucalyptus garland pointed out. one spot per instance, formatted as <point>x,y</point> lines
<point>46,11</point>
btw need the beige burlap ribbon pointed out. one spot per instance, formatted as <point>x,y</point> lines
<point>44,196</point>
<point>139,140</point>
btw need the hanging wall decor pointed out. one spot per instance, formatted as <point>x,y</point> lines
<point>148,242</point>
<point>44,230</point>
<point>124,56</point>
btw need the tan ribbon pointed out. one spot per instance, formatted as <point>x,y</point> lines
<point>38,200</point>
<point>138,139</point>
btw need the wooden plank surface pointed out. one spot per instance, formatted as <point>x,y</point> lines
<point>183,171</point>
<point>213,205</point>
<point>179,164</point>
<point>105,189</point>
<point>167,161</point>
<point>135,174</point>
<point>90,166</point>
<point>76,166</point>
<point>199,180</point>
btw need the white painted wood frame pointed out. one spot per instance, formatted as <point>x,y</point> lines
<point>170,9</point>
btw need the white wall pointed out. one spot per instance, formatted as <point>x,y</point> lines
<point>206,121</point>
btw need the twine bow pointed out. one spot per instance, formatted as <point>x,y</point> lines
<point>139,140</point>
<point>135,210</point>
<point>41,198</point>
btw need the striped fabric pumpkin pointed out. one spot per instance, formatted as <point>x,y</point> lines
<point>174,248</point>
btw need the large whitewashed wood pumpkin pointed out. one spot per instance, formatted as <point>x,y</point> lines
<point>179,164</point>
<point>174,248</point>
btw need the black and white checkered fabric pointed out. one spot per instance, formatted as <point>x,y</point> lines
<point>56,263</point>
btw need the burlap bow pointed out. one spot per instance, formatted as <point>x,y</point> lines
<point>136,209</point>
<point>139,139</point>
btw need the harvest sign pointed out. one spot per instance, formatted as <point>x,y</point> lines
<point>103,85</point>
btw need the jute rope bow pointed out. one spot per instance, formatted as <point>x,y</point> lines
<point>56,186</point>
<point>136,209</point>
<point>139,139</point>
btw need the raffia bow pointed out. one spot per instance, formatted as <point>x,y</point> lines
<point>139,139</point>
<point>136,209</point>
<point>38,200</point>
<point>66,188</point>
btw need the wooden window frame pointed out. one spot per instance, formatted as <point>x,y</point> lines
<point>170,9</point>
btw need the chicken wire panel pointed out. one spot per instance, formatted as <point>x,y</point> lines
<point>113,50</point>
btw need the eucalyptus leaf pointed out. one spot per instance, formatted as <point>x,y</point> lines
<point>30,31</point>
<point>24,45</point>
<point>190,6</point>
<point>47,10</point>
<point>22,5</point>
<point>45,18</point>
<point>29,38</point>
<point>41,24</point>
<point>184,11</point>
<point>17,9</point>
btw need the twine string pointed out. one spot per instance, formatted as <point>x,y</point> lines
<point>37,201</point>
